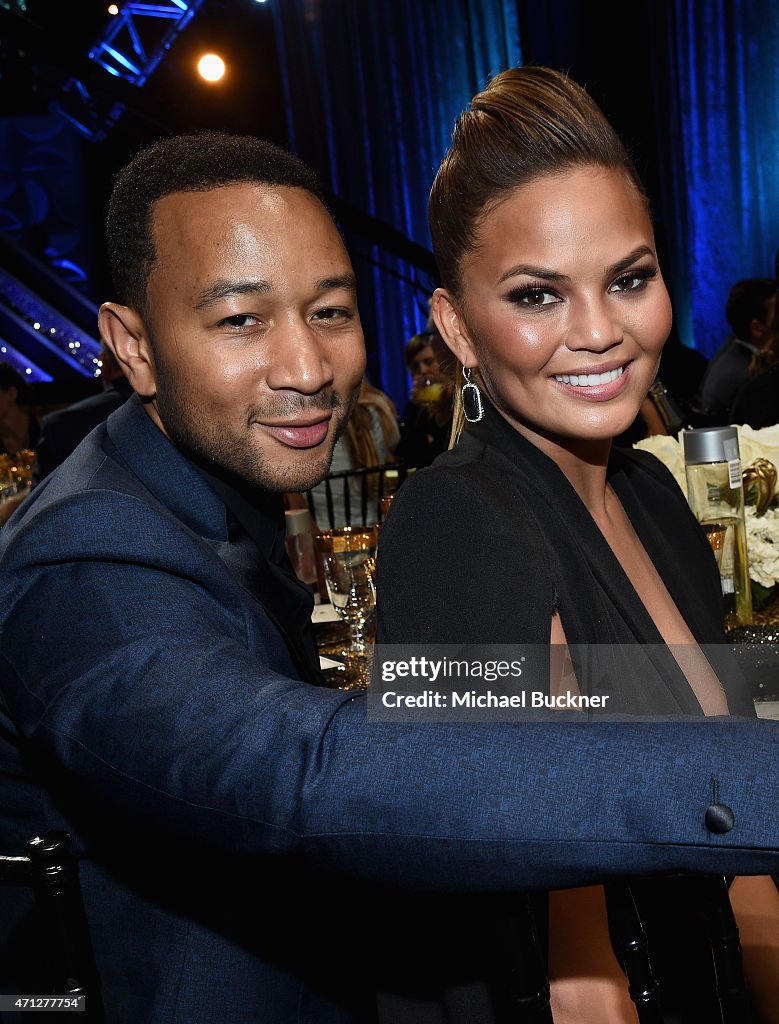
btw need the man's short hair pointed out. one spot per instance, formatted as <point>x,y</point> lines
<point>184,163</point>
<point>749,300</point>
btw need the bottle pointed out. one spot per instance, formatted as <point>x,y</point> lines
<point>299,543</point>
<point>667,409</point>
<point>716,495</point>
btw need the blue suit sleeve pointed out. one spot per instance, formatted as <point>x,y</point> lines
<point>124,663</point>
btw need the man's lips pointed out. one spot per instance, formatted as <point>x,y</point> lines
<point>298,434</point>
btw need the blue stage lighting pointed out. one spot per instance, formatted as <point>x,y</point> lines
<point>136,39</point>
<point>134,42</point>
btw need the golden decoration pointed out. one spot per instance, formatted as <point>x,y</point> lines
<point>760,479</point>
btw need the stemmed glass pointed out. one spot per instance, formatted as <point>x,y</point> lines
<point>348,558</point>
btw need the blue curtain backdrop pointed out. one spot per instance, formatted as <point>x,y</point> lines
<point>43,201</point>
<point>722,198</point>
<point>372,90</point>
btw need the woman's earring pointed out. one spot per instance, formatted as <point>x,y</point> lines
<point>472,403</point>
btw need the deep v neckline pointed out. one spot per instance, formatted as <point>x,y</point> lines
<point>598,605</point>
<point>560,501</point>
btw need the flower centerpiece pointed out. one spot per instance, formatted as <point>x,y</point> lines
<point>760,455</point>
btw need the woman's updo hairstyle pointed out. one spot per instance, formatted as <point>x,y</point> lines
<point>528,123</point>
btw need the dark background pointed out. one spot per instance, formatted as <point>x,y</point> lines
<point>50,42</point>
<point>303,73</point>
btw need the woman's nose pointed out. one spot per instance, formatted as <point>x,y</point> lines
<point>594,326</point>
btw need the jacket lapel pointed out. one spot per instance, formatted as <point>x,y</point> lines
<point>285,600</point>
<point>176,483</point>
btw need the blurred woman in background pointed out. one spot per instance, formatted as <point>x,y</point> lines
<point>370,439</point>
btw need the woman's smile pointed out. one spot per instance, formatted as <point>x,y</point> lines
<point>564,311</point>
<point>594,385</point>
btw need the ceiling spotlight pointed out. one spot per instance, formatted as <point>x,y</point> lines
<point>211,67</point>
<point>113,9</point>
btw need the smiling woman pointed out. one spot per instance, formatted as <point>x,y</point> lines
<point>565,337</point>
<point>535,529</point>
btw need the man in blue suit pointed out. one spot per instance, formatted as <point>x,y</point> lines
<point>240,829</point>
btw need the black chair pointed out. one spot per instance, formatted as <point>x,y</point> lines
<point>528,981</point>
<point>361,491</point>
<point>632,949</point>
<point>725,944</point>
<point>530,985</point>
<point>66,962</point>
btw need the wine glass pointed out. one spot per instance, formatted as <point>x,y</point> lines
<point>348,558</point>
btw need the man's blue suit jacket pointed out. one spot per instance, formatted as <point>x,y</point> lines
<point>242,833</point>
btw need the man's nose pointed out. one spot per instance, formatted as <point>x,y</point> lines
<point>594,325</point>
<point>301,359</point>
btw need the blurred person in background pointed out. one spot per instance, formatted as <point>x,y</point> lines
<point>749,311</point>
<point>19,428</point>
<point>370,439</point>
<point>757,402</point>
<point>64,430</point>
<point>427,420</point>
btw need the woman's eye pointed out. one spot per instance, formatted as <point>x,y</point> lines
<point>533,297</point>
<point>239,320</point>
<point>634,281</point>
<point>629,283</point>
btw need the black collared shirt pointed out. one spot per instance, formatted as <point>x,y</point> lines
<point>256,531</point>
<point>259,513</point>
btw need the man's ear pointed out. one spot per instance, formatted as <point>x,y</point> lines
<point>124,333</point>
<point>452,327</point>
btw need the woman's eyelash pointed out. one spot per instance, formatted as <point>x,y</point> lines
<point>527,290</point>
<point>640,273</point>
<point>541,289</point>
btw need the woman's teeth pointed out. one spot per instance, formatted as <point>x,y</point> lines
<point>589,380</point>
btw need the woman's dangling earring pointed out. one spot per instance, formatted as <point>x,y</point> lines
<point>472,403</point>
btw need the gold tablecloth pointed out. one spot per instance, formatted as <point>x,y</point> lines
<point>769,613</point>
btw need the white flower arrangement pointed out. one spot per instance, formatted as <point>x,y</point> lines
<point>762,531</point>
<point>763,546</point>
<point>670,452</point>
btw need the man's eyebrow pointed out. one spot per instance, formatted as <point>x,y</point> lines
<point>341,281</point>
<point>226,289</point>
